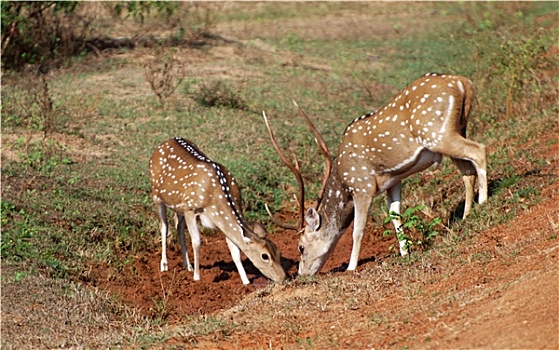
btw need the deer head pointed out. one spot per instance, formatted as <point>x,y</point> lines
<point>189,183</point>
<point>423,122</point>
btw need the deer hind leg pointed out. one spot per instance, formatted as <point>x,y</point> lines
<point>181,225</point>
<point>471,158</point>
<point>162,211</point>
<point>236,255</point>
<point>394,196</point>
<point>469,177</point>
<point>362,206</point>
<point>192,225</point>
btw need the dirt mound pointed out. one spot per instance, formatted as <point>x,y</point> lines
<point>173,294</point>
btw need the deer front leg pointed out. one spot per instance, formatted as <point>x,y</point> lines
<point>362,206</point>
<point>181,225</point>
<point>236,255</point>
<point>394,195</point>
<point>162,211</point>
<point>196,242</point>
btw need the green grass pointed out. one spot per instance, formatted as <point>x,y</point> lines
<point>65,207</point>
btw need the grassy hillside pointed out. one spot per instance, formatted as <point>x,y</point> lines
<point>76,142</point>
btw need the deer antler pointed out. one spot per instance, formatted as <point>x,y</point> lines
<point>297,172</point>
<point>323,149</point>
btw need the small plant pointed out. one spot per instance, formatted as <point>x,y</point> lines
<point>32,104</point>
<point>164,73</point>
<point>219,94</point>
<point>413,226</point>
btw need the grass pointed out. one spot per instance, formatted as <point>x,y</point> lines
<point>79,194</point>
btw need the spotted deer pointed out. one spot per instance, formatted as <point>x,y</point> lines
<point>423,122</point>
<point>193,186</point>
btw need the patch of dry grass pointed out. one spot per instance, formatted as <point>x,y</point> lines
<point>45,313</point>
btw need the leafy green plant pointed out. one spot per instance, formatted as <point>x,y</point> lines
<point>416,230</point>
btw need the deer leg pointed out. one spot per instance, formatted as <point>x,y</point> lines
<point>469,176</point>
<point>162,211</point>
<point>236,255</point>
<point>465,150</point>
<point>394,196</point>
<point>192,225</point>
<point>362,206</point>
<point>181,225</point>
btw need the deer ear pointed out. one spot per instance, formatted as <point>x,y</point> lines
<point>259,230</point>
<point>256,235</point>
<point>312,218</point>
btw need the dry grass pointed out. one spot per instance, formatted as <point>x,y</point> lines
<point>46,313</point>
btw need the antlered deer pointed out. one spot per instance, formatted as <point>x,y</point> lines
<point>423,122</point>
<point>189,183</point>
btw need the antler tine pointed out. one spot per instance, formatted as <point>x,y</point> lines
<point>323,149</point>
<point>296,171</point>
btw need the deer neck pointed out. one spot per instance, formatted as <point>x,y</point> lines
<point>336,208</point>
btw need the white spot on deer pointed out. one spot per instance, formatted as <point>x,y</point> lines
<point>449,110</point>
<point>460,86</point>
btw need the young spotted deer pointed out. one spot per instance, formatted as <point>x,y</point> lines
<point>423,122</point>
<point>189,183</point>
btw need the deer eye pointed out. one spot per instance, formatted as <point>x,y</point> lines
<point>301,249</point>
<point>265,257</point>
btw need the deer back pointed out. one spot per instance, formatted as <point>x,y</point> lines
<point>386,143</point>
